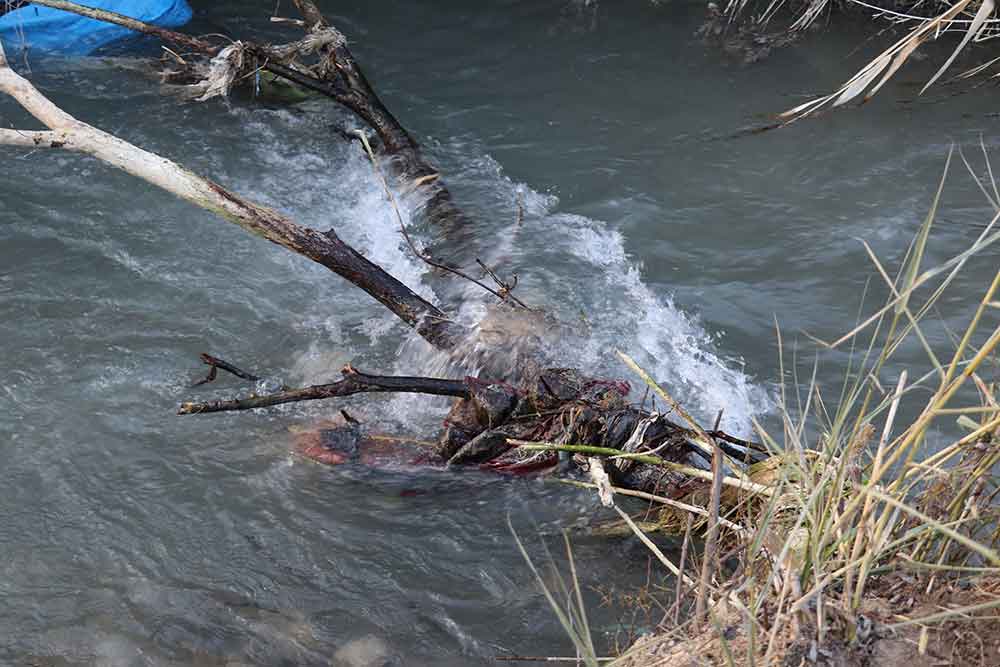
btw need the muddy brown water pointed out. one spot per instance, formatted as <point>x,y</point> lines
<point>130,536</point>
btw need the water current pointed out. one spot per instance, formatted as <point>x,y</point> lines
<point>131,536</point>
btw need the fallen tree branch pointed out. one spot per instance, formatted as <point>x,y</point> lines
<point>325,248</point>
<point>215,364</point>
<point>275,59</point>
<point>341,69</point>
<point>32,138</point>
<point>353,382</point>
<point>337,76</point>
<point>488,425</point>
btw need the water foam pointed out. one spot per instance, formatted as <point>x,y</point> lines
<point>579,269</point>
<point>669,343</point>
<point>576,266</point>
<point>335,187</point>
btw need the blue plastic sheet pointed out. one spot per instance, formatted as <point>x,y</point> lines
<point>45,29</point>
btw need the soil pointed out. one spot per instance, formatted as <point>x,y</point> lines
<point>971,641</point>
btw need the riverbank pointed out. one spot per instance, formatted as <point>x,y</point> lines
<point>959,638</point>
<point>876,540</point>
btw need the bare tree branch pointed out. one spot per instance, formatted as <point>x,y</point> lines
<point>343,79</point>
<point>275,59</point>
<point>214,364</point>
<point>177,38</point>
<point>32,138</point>
<point>353,382</point>
<point>325,248</point>
<point>349,86</point>
<point>338,76</point>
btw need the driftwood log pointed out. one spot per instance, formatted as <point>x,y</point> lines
<point>536,419</point>
<point>323,247</point>
<point>334,73</point>
<point>530,428</point>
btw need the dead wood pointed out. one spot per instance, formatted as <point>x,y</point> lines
<point>337,75</point>
<point>339,67</point>
<point>505,293</point>
<point>353,382</point>
<point>325,248</point>
<point>491,422</point>
<point>215,364</point>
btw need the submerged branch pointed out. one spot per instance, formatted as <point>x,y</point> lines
<point>505,294</point>
<point>215,364</point>
<point>279,60</point>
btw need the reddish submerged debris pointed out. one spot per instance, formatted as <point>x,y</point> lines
<point>556,405</point>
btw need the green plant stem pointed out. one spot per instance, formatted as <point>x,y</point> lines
<point>650,459</point>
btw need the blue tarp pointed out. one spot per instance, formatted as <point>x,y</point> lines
<point>56,31</point>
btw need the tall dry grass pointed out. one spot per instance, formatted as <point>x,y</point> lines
<point>974,21</point>
<point>804,536</point>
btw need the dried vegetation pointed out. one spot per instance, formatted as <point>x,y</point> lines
<point>876,541</point>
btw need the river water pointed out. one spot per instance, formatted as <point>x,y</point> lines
<point>131,536</point>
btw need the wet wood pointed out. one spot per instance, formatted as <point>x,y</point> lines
<point>338,76</point>
<point>325,248</point>
<point>552,419</point>
<point>498,426</point>
<point>352,382</point>
<point>342,71</point>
